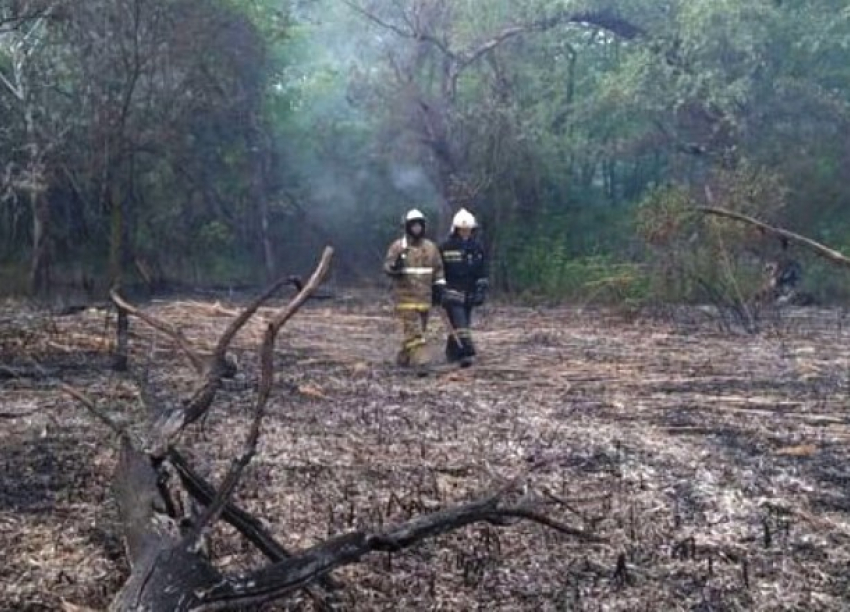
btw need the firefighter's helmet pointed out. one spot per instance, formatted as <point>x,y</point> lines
<point>414,214</point>
<point>412,217</point>
<point>464,220</point>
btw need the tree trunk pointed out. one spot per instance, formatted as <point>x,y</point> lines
<point>268,250</point>
<point>117,263</point>
<point>165,574</point>
<point>116,240</point>
<point>258,153</point>
<point>39,275</point>
<point>445,209</point>
<point>120,358</point>
<point>34,183</point>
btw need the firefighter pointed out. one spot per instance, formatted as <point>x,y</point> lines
<point>781,282</point>
<point>466,285</point>
<point>783,277</point>
<point>414,264</point>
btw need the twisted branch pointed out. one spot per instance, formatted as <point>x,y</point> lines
<point>214,509</point>
<point>279,579</point>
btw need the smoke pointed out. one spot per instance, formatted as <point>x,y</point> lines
<point>409,178</point>
<point>332,190</point>
<point>355,177</point>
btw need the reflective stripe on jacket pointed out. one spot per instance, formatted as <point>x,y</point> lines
<point>464,262</point>
<point>423,268</point>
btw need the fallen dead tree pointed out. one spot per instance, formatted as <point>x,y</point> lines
<point>817,248</point>
<point>156,489</point>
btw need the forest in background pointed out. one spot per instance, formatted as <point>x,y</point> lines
<point>158,143</point>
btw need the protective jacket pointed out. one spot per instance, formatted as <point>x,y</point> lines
<point>466,283</point>
<point>421,269</point>
<point>464,263</point>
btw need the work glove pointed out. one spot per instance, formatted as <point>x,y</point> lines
<point>437,294</point>
<point>399,263</point>
<point>479,293</point>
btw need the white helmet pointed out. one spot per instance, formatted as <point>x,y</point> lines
<point>464,220</point>
<point>414,214</point>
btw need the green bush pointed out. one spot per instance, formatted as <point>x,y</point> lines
<point>546,270</point>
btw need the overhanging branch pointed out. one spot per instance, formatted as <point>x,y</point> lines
<point>816,247</point>
<point>605,20</point>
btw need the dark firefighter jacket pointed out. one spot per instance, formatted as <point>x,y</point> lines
<point>463,262</point>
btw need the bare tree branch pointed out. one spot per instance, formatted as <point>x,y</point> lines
<point>218,366</point>
<point>277,580</point>
<point>243,522</point>
<point>413,33</point>
<point>529,514</point>
<point>97,412</point>
<point>172,422</point>
<point>604,19</point>
<point>15,91</point>
<point>168,568</point>
<point>218,503</point>
<point>213,511</point>
<point>309,288</point>
<point>11,22</point>
<point>807,243</point>
<point>165,328</point>
<point>251,528</point>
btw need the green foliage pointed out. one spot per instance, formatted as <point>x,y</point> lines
<point>336,122</point>
<point>550,264</point>
<point>214,237</point>
<point>544,272</point>
<point>697,258</point>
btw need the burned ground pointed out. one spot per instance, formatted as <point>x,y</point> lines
<point>713,464</point>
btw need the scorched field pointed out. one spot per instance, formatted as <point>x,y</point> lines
<point>711,466</point>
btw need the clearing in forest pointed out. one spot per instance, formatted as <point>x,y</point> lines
<point>714,465</point>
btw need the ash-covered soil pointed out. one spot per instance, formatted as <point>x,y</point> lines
<point>715,465</point>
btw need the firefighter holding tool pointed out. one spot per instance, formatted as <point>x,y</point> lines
<point>414,264</point>
<point>465,267</point>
